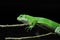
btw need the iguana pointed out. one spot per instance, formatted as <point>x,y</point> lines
<point>32,20</point>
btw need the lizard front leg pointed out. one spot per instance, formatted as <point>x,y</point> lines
<point>30,27</point>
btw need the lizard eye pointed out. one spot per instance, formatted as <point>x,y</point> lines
<point>20,16</point>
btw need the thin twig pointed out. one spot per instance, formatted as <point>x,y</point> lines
<point>30,36</point>
<point>13,25</point>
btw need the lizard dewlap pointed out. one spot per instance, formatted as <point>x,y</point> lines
<point>31,20</point>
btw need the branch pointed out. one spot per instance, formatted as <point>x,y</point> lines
<point>30,36</point>
<point>13,25</point>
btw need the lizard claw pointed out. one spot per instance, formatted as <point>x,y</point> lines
<point>28,29</point>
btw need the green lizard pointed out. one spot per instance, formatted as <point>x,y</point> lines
<point>31,20</point>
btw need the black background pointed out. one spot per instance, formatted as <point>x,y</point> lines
<point>9,10</point>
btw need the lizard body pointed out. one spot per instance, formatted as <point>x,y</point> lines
<point>31,20</point>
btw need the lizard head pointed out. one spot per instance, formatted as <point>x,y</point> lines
<point>23,18</point>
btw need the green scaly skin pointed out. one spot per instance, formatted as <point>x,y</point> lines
<point>31,20</point>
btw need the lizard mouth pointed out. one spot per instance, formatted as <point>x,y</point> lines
<point>23,21</point>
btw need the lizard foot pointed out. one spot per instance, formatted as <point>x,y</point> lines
<point>28,29</point>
